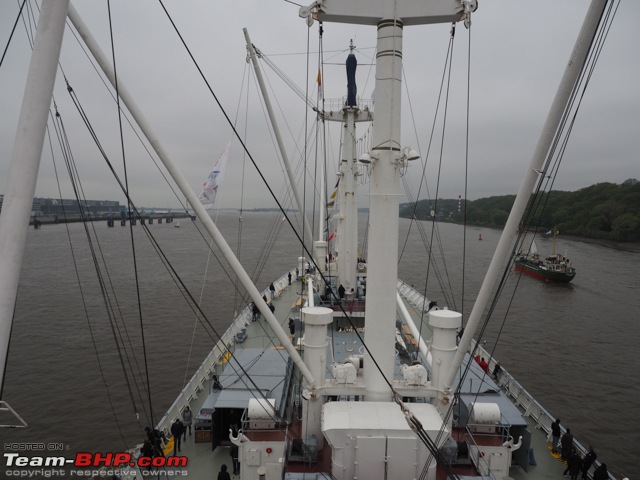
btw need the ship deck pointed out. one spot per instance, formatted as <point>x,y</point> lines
<point>204,461</point>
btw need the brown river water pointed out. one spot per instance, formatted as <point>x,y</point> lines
<point>571,346</point>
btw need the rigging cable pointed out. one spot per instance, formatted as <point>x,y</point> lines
<point>204,277</point>
<point>82,201</point>
<point>444,86</point>
<point>560,143</point>
<point>563,129</point>
<point>70,164</point>
<point>133,246</point>
<point>466,174</point>
<point>244,161</point>
<point>414,217</point>
<point>15,24</point>
<point>306,146</point>
<point>176,278</point>
<point>193,304</point>
<point>66,150</point>
<point>312,260</point>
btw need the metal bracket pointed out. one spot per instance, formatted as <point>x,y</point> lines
<point>469,7</point>
<point>5,407</point>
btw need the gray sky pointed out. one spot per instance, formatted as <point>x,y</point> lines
<point>518,54</point>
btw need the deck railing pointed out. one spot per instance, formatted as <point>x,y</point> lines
<point>206,370</point>
<point>509,385</point>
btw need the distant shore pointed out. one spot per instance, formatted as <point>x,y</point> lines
<point>625,246</point>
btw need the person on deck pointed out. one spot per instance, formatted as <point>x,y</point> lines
<point>601,472</point>
<point>484,365</point>
<point>223,474</point>
<point>187,420</point>
<point>587,461</point>
<point>496,371</point>
<point>234,458</point>
<point>292,327</point>
<point>177,429</point>
<point>574,465</point>
<point>341,291</point>
<point>155,439</point>
<point>147,451</point>
<point>555,435</point>
<point>289,277</point>
<point>272,289</point>
<point>566,444</point>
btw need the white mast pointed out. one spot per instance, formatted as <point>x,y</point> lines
<point>25,161</point>
<point>387,158</point>
<point>348,230</point>
<point>348,212</point>
<point>382,273</point>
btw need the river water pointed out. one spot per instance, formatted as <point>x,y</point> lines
<point>572,346</point>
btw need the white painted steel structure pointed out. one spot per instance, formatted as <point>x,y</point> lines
<point>315,344</point>
<point>25,161</point>
<point>348,224</point>
<point>387,155</point>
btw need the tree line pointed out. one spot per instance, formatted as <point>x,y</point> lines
<point>607,211</point>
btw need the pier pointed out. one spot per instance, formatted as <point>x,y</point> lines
<point>38,221</point>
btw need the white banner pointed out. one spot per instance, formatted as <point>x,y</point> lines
<point>214,180</point>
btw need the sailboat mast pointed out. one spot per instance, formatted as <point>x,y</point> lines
<point>25,161</point>
<point>571,74</point>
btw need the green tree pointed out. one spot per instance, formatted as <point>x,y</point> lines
<point>626,227</point>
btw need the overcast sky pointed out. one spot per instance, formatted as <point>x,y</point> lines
<point>518,53</point>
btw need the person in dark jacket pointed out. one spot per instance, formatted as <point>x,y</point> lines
<point>223,474</point>
<point>496,371</point>
<point>234,458</point>
<point>601,472</point>
<point>155,439</point>
<point>292,326</point>
<point>587,461</point>
<point>566,442</point>
<point>574,465</point>
<point>555,435</point>
<point>147,450</point>
<point>177,429</point>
